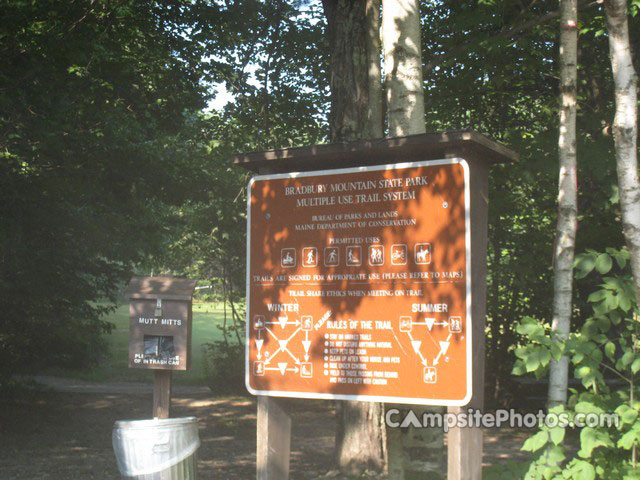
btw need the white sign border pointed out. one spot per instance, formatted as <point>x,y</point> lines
<point>370,398</point>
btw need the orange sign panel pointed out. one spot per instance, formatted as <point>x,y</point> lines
<point>358,284</point>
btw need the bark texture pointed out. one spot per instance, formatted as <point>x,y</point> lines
<point>356,113</point>
<point>625,128</point>
<point>566,226</point>
<point>402,45</point>
<point>403,66</point>
<point>354,76</point>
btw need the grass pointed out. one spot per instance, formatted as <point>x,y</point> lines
<point>206,319</point>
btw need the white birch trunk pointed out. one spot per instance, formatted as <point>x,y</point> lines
<point>625,128</point>
<point>403,66</point>
<point>567,198</point>
<point>402,47</point>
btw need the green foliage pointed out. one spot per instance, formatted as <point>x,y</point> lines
<point>492,67</point>
<point>605,356</point>
<point>225,358</point>
<point>226,367</point>
<point>505,471</point>
<point>489,75</point>
<point>109,164</point>
<point>96,99</point>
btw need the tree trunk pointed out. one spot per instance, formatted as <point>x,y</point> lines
<point>625,128</point>
<point>402,47</point>
<point>356,113</point>
<point>403,66</point>
<point>567,199</point>
<point>355,79</point>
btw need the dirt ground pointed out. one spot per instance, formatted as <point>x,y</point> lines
<point>63,435</point>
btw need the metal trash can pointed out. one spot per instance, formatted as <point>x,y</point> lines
<point>159,449</point>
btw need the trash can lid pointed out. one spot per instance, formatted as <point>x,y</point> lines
<point>155,422</point>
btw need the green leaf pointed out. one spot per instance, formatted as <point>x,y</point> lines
<point>588,407</point>
<point>584,264</point>
<point>556,351</point>
<point>627,358</point>
<point>624,302</point>
<point>557,435</point>
<point>613,283</point>
<point>611,301</point>
<point>583,471</point>
<point>529,327</point>
<point>536,442</point>
<point>544,357</point>
<point>603,263</point>
<point>532,361</point>
<point>635,366</point>
<point>626,414</point>
<point>597,296</point>
<point>519,368</point>
<point>555,455</point>
<point>583,371</point>
<point>615,317</point>
<point>610,350</point>
<point>621,260</point>
<point>628,439</point>
<point>521,352</point>
<point>590,438</point>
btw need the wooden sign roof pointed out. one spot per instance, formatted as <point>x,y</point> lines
<point>165,287</point>
<point>428,146</point>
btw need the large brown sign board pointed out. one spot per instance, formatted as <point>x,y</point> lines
<point>358,284</point>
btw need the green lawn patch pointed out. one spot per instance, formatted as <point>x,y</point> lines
<point>114,368</point>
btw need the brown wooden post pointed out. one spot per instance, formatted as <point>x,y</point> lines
<point>273,442</point>
<point>464,445</point>
<point>161,393</point>
<point>273,439</point>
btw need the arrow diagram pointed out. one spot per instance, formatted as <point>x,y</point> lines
<point>416,347</point>
<point>306,343</point>
<point>282,367</point>
<point>271,333</point>
<point>283,344</point>
<point>292,355</point>
<point>268,357</point>
<point>444,346</point>
<point>430,322</point>
<point>293,334</point>
<point>283,322</point>
<point>416,344</point>
<point>259,343</point>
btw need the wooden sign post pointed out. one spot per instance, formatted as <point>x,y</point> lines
<point>160,332</point>
<point>367,282</point>
<point>162,393</point>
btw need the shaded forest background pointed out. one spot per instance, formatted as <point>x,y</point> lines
<point>115,162</point>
